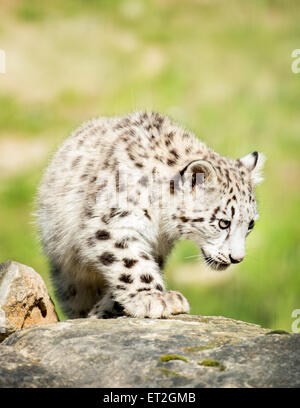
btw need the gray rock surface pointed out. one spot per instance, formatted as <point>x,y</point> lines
<point>24,299</point>
<point>185,351</point>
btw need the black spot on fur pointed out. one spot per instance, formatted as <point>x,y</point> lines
<point>113,212</point>
<point>122,244</point>
<point>117,180</point>
<point>146,278</point>
<point>174,153</point>
<point>159,287</point>
<point>145,256</point>
<point>200,219</point>
<point>170,135</point>
<point>125,278</point>
<point>212,218</point>
<point>227,175</point>
<point>171,162</point>
<point>129,263</point>
<point>158,120</point>
<point>102,235</point>
<point>143,289</point>
<point>105,219</point>
<point>107,258</point>
<point>120,287</point>
<point>216,210</point>
<point>144,181</point>
<point>184,219</point>
<point>147,214</point>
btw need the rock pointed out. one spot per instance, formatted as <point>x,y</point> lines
<point>20,371</point>
<point>185,351</point>
<point>24,300</point>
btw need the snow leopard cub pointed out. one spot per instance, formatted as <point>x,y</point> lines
<point>116,196</point>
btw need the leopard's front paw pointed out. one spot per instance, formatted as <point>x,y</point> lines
<point>156,304</point>
<point>141,304</point>
<point>177,302</point>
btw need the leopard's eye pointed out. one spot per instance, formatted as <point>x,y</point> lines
<point>251,225</point>
<point>224,224</point>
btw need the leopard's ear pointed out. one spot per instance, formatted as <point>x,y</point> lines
<point>201,171</point>
<point>254,162</point>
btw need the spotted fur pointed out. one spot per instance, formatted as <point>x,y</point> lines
<point>107,236</point>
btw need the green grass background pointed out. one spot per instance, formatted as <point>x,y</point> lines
<point>220,68</point>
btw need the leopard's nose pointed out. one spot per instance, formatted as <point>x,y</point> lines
<point>235,261</point>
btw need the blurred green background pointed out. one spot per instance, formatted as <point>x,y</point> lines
<point>220,68</point>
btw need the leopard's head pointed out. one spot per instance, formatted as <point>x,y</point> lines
<point>218,207</point>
